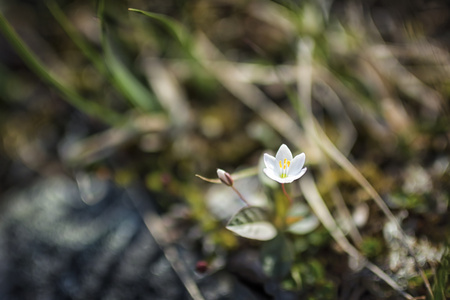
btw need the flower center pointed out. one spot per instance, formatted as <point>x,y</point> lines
<point>284,166</point>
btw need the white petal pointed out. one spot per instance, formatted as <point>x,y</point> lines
<point>297,176</point>
<point>274,176</point>
<point>297,165</point>
<point>283,153</point>
<point>291,177</point>
<point>286,180</point>
<point>270,161</point>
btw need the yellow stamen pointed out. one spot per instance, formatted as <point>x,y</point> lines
<point>284,165</point>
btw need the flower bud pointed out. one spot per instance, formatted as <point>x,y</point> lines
<point>225,177</point>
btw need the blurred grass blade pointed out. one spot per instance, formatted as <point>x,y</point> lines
<point>169,91</point>
<point>230,77</point>
<point>318,136</point>
<point>126,82</point>
<point>210,180</point>
<point>91,53</point>
<point>30,59</point>
<point>317,204</point>
<point>175,29</point>
<point>227,74</point>
<point>123,82</point>
<point>100,145</point>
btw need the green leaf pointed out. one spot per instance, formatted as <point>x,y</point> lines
<point>277,257</point>
<point>307,223</point>
<point>252,223</point>
<point>304,226</point>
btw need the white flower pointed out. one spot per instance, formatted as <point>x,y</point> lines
<point>282,168</point>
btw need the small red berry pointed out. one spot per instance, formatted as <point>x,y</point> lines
<point>201,266</point>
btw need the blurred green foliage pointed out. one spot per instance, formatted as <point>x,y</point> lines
<point>130,91</point>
